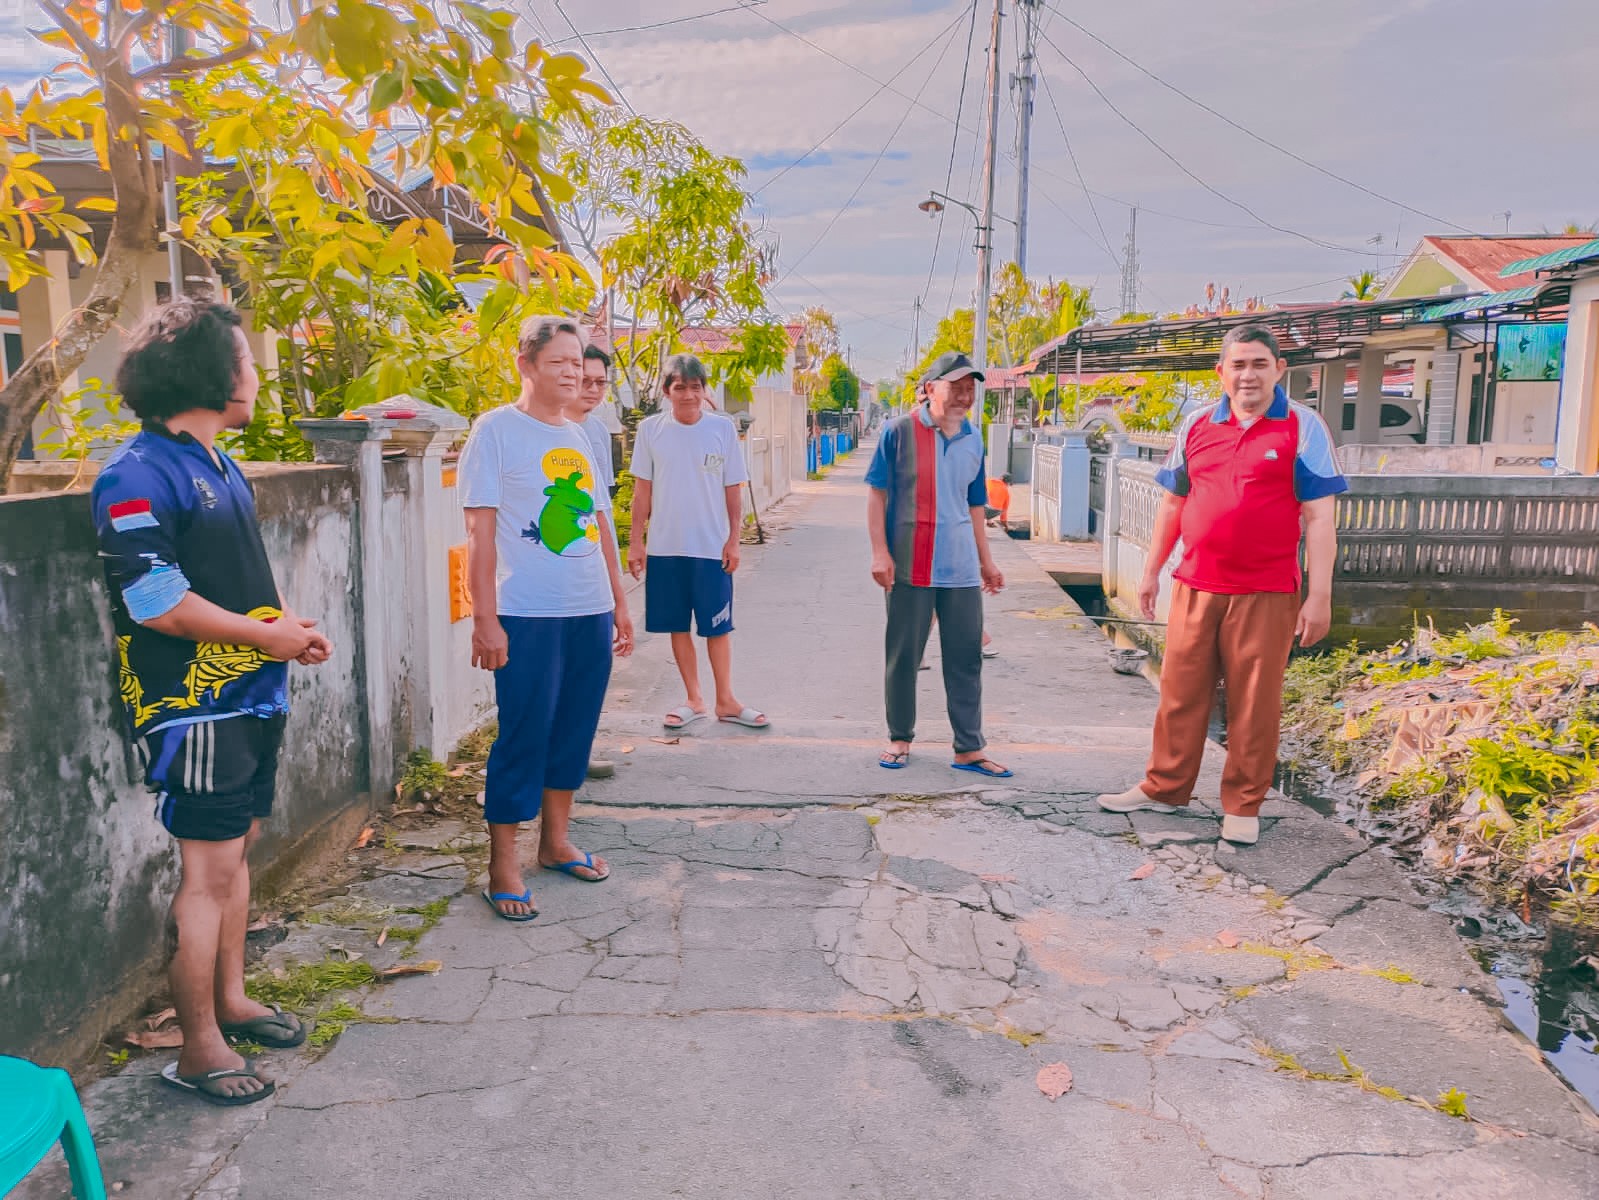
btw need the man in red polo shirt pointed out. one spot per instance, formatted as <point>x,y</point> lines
<point>1246,476</point>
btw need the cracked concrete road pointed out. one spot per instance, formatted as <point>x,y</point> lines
<point>810,977</point>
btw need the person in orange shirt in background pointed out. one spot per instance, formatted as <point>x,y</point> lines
<point>999,501</point>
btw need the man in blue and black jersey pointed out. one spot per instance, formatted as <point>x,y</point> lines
<point>203,644</point>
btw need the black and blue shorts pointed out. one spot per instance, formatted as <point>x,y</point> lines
<point>679,588</point>
<point>213,778</point>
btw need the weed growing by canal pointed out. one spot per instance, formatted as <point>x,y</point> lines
<point>1476,752</point>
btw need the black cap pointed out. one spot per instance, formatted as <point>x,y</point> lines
<point>950,366</point>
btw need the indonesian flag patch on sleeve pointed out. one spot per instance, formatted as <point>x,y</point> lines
<point>127,515</point>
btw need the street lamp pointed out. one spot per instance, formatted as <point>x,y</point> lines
<point>935,202</point>
<point>998,437</point>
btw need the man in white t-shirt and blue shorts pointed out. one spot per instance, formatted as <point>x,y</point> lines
<point>688,471</point>
<point>548,609</point>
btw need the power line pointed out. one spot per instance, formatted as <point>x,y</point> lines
<point>1104,238</point>
<point>876,161</point>
<point>594,58</point>
<point>828,296</point>
<point>954,146</point>
<point>1173,159</point>
<point>843,62</point>
<point>1246,131</point>
<point>862,106</point>
<point>596,33</point>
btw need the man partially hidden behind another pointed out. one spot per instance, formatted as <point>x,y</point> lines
<point>1245,475</point>
<point>930,554</point>
<point>203,641</point>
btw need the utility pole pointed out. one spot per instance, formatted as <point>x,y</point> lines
<point>998,432</point>
<point>178,45</point>
<point>1130,266</point>
<point>1024,81</point>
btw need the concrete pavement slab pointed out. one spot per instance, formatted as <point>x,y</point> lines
<point>809,977</point>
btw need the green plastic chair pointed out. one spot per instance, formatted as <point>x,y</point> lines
<point>38,1108</point>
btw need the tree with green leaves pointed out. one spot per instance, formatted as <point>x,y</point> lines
<point>441,85</point>
<point>1022,315</point>
<point>840,386</point>
<point>818,342</point>
<point>1364,286</point>
<point>668,224</point>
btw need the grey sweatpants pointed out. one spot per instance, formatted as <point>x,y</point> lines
<point>960,638</point>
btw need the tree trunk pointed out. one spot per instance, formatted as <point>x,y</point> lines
<point>131,237</point>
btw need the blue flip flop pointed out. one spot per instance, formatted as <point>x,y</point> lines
<point>525,898</point>
<point>894,760</point>
<point>572,868</point>
<point>983,767</point>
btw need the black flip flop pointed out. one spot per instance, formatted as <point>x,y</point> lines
<point>205,1086</point>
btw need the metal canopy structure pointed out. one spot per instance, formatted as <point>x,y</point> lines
<point>1478,304</point>
<point>1558,258</point>
<point>1308,334</point>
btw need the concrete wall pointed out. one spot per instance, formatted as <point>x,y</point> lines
<point>774,444</point>
<point>1525,413</point>
<point>1450,547</point>
<point>1426,277</point>
<point>86,873</point>
<point>85,870</point>
<point>1490,459</point>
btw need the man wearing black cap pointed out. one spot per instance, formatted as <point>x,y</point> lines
<point>930,554</point>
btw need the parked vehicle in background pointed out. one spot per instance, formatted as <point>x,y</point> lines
<point>1400,420</point>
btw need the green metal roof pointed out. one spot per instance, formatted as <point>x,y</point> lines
<point>1473,304</point>
<point>1556,258</point>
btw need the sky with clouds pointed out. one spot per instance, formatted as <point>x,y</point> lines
<point>1458,109</point>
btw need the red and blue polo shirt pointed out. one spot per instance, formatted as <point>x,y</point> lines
<point>1243,489</point>
<point>933,483</point>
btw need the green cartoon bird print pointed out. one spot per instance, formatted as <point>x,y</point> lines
<point>565,526</point>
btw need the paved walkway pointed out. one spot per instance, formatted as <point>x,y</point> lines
<point>809,977</point>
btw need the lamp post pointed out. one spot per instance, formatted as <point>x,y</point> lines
<point>998,436</point>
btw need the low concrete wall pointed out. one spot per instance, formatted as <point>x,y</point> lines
<point>85,870</point>
<point>1493,458</point>
<point>1449,548</point>
<point>86,873</point>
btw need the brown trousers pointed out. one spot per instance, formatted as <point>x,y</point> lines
<point>1244,640</point>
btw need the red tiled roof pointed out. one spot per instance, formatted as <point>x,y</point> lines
<point>1484,257</point>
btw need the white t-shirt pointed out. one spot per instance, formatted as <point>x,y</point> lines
<point>690,468</point>
<point>541,481</point>
<point>599,436</point>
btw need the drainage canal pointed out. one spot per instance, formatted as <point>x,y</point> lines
<point>1547,970</point>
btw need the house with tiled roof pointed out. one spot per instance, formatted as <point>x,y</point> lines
<point>1467,264</point>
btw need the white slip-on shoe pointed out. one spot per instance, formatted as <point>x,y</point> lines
<point>1240,831</point>
<point>1134,799</point>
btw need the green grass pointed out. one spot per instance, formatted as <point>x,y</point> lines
<point>302,987</point>
<point>1451,1102</point>
<point>334,1021</point>
<point>431,915</point>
